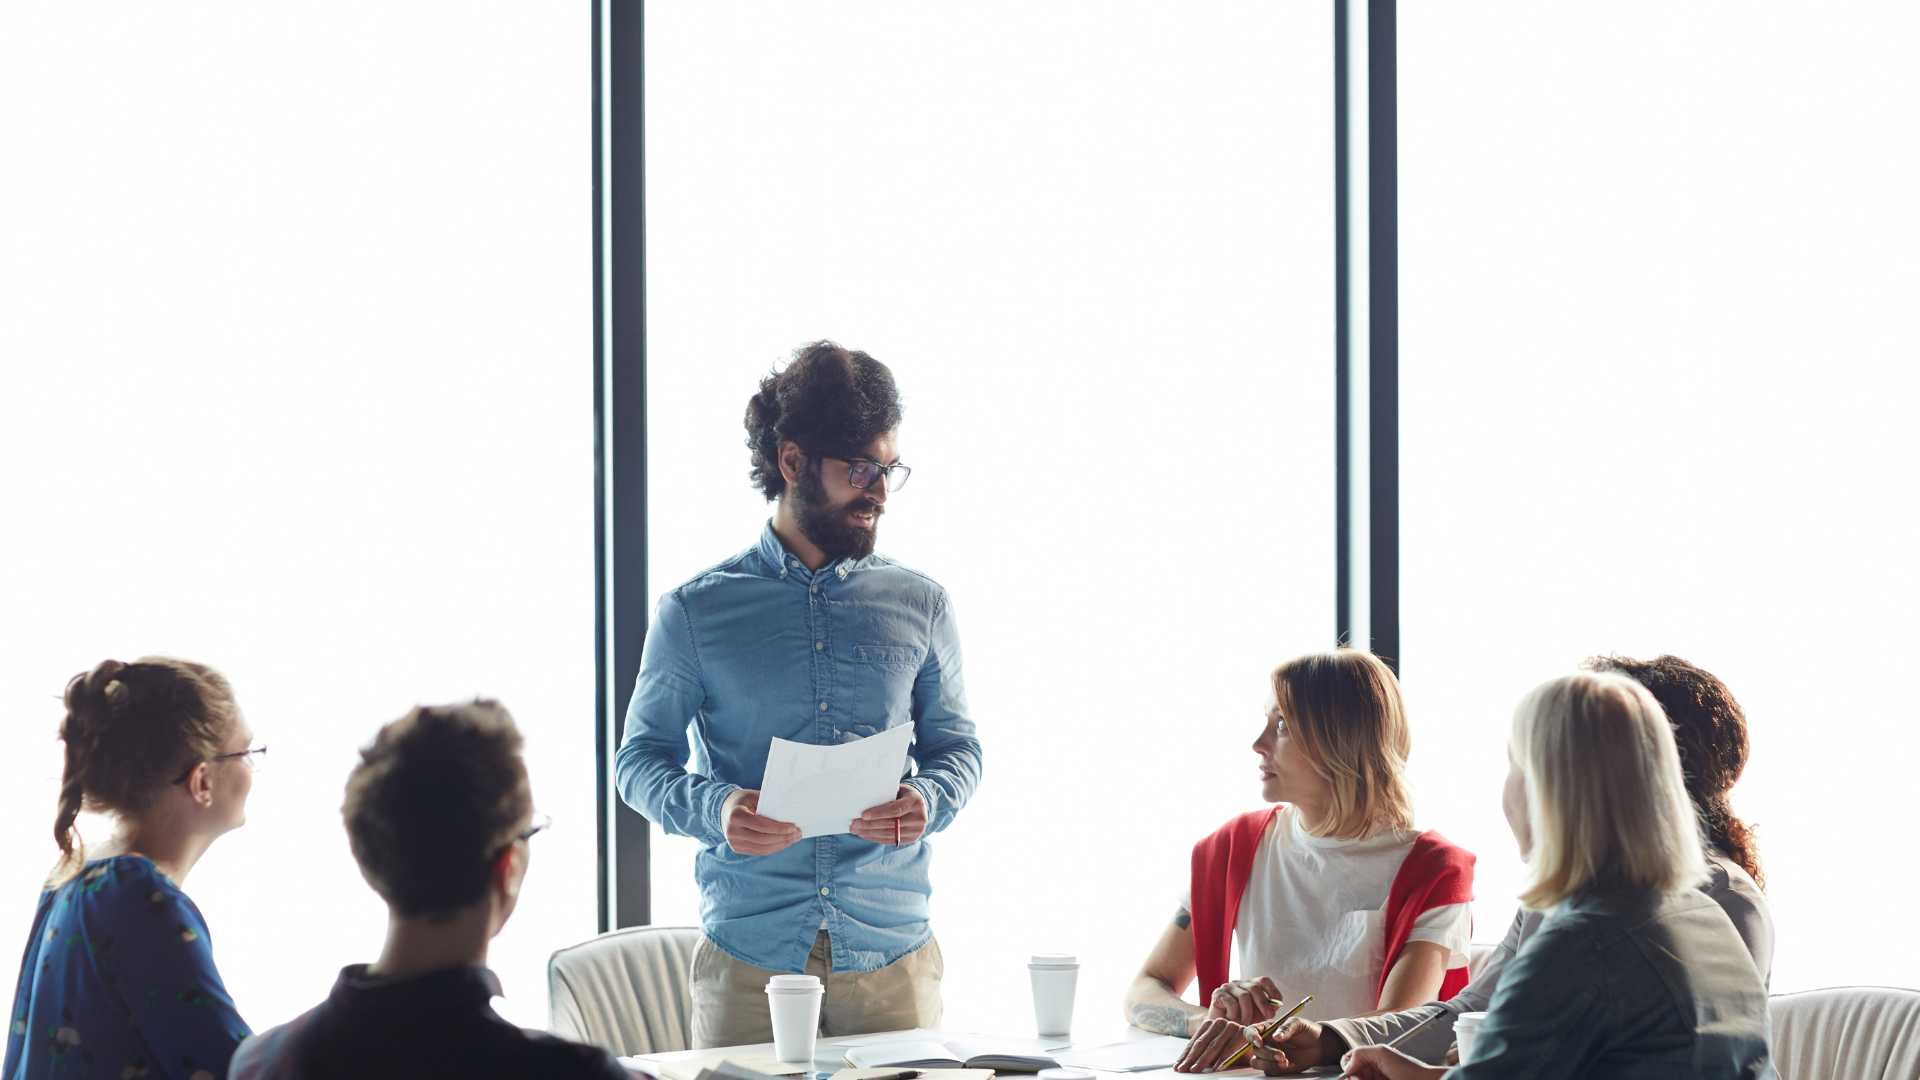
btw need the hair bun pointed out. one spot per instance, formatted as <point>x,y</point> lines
<point>90,695</point>
<point>101,687</point>
<point>107,681</point>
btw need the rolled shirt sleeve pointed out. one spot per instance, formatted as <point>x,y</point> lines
<point>1449,926</point>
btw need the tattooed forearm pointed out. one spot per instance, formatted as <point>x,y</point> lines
<point>1152,1003</point>
<point>1163,1019</point>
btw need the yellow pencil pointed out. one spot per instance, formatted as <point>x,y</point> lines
<point>1272,1026</point>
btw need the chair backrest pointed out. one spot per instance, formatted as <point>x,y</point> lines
<point>1859,1032</point>
<point>628,991</point>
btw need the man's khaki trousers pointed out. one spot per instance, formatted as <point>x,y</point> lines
<point>730,999</point>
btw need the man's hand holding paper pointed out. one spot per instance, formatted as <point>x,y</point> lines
<point>823,789</point>
<point>751,833</point>
<point>901,821</point>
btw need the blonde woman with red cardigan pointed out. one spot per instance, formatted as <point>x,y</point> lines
<point>1331,892</point>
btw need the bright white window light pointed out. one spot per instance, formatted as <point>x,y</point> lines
<point>298,382</point>
<point>1657,378</point>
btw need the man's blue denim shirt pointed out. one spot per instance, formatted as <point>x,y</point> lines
<point>757,647</point>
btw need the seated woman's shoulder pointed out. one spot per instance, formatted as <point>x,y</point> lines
<point>1442,847</point>
<point>121,883</point>
<point>1253,823</point>
<point>1728,878</point>
<point>1435,858</point>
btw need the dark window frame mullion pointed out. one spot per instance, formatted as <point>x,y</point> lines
<point>1383,332</point>
<point>1342,343</point>
<point>602,739</point>
<point>620,438</point>
<point>1379,571</point>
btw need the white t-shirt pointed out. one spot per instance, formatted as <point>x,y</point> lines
<point>1313,918</point>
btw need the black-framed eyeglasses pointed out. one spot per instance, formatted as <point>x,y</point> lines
<point>254,756</point>
<point>541,823</point>
<point>862,472</point>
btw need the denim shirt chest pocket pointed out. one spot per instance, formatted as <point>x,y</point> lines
<point>877,686</point>
<point>877,659</point>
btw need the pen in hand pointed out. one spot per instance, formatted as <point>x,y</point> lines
<point>1264,1033</point>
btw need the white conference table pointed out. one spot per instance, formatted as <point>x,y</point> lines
<point>830,1054</point>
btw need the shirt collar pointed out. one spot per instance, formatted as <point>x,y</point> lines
<point>456,988</point>
<point>774,552</point>
<point>1300,835</point>
<point>784,564</point>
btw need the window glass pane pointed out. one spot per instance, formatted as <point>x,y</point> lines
<point>298,383</point>
<point>1094,242</point>
<point>1655,395</point>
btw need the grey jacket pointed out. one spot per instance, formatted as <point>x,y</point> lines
<point>1646,986</point>
<point>1727,885</point>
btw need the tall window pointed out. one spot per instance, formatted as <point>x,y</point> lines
<point>1095,244</point>
<point>298,383</point>
<point>1656,384</point>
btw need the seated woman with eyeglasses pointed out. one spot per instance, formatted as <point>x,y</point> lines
<point>118,978</point>
<point>1633,971</point>
<point>1331,893</point>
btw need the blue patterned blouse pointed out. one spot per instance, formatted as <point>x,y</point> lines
<point>118,981</point>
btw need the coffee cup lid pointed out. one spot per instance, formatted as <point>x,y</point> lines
<point>1469,1018</point>
<point>793,984</point>
<point>1053,960</point>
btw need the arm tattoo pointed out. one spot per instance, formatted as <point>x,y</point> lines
<point>1163,1019</point>
<point>1182,919</point>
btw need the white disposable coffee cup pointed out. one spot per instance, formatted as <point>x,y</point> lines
<point>1465,1027</point>
<point>793,1003</point>
<point>1053,976</point>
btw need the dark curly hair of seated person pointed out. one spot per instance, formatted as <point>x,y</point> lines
<point>1710,730</point>
<point>829,400</point>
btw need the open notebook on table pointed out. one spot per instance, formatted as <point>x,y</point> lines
<point>925,1074</point>
<point>953,1052</point>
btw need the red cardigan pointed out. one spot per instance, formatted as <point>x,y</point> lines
<point>1434,874</point>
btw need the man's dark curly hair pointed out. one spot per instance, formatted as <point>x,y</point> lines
<point>832,401</point>
<point>1710,730</point>
<point>435,797</point>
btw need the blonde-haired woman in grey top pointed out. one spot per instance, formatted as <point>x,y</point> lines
<point>1710,731</point>
<point>1633,971</point>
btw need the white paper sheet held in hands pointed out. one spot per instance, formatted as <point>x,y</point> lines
<point>823,788</point>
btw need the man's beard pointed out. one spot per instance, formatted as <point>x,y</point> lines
<point>828,526</point>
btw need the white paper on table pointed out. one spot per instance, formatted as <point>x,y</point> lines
<point>823,788</point>
<point>1130,1055</point>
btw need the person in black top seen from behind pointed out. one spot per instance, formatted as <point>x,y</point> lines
<point>439,813</point>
